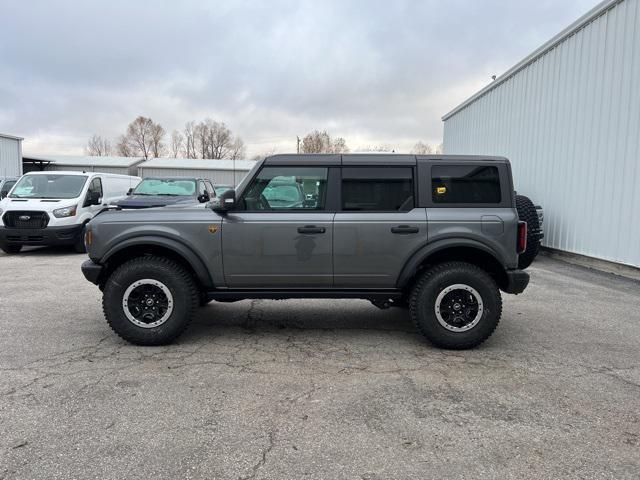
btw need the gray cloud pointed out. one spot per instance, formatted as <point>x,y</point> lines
<point>371,71</point>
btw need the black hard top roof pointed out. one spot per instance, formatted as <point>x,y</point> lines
<point>372,159</point>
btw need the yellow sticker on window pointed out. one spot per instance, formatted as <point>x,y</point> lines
<point>441,190</point>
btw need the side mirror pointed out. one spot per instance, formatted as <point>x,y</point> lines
<point>224,203</point>
<point>130,191</point>
<point>204,197</point>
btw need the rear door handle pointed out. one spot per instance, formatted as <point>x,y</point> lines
<point>310,229</point>
<point>404,229</point>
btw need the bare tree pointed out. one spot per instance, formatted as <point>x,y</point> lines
<point>157,134</point>
<point>98,146</point>
<point>214,140</point>
<point>321,142</point>
<point>190,140</point>
<point>238,150</point>
<point>423,148</point>
<point>143,137</point>
<point>377,148</point>
<point>122,147</point>
<point>177,143</point>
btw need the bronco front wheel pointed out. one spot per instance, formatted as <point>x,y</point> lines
<point>150,300</point>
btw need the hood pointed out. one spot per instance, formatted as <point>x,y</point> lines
<point>148,201</point>
<point>42,204</point>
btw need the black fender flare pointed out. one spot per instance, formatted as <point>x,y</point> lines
<point>419,256</point>
<point>179,248</point>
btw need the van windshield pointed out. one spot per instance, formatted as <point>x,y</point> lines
<point>166,186</point>
<point>49,186</point>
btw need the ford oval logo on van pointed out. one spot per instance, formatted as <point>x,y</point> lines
<point>24,218</point>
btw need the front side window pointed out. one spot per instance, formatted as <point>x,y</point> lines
<point>382,189</point>
<point>96,187</point>
<point>49,186</point>
<point>6,188</point>
<point>94,192</point>
<point>465,184</point>
<point>287,188</point>
<point>166,186</point>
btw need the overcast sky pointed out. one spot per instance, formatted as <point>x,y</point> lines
<point>374,72</point>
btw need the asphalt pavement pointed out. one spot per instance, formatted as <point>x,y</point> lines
<point>318,389</point>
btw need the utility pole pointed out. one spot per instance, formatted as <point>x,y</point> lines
<point>298,148</point>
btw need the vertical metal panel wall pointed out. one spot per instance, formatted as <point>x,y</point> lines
<point>10,157</point>
<point>222,177</point>
<point>89,168</point>
<point>569,121</point>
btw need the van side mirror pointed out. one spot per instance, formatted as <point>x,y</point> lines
<point>130,191</point>
<point>204,197</point>
<point>224,202</point>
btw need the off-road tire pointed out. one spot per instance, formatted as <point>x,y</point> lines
<point>176,278</point>
<point>527,213</point>
<point>11,249</point>
<point>435,280</point>
<point>79,246</point>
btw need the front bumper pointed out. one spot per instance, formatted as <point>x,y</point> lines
<point>66,235</point>
<point>517,281</point>
<point>92,271</point>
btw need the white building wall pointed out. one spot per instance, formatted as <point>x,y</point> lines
<point>569,121</point>
<point>10,157</point>
<point>89,168</point>
<point>224,177</point>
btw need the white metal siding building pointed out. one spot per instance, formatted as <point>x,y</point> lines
<point>568,118</point>
<point>118,165</point>
<point>222,172</point>
<point>10,156</point>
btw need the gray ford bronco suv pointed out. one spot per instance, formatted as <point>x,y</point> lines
<point>436,234</point>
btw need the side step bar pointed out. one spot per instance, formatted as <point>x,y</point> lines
<point>301,293</point>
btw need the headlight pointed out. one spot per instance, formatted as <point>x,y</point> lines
<point>65,212</point>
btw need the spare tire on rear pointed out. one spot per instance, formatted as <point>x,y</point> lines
<point>527,213</point>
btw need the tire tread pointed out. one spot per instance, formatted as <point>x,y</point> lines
<point>192,302</point>
<point>419,288</point>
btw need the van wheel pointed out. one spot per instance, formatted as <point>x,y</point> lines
<point>79,245</point>
<point>456,305</point>
<point>11,249</point>
<point>150,300</point>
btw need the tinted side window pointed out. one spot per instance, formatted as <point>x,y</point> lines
<point>96,187</point>
<point>6,187</point>
<point>377,189</point>
<point>465,184</point>
<point>287,188</point>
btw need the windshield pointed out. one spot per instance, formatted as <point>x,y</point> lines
<point>166,186</point>
<point>49,186</point>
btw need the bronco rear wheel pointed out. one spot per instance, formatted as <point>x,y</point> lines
<point>456,305</point>
<point>150,300</point>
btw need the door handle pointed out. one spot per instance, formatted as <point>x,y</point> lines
<point>404,229</point>
<point>311,229</point>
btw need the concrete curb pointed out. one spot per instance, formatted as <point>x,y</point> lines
<point>595,263</point>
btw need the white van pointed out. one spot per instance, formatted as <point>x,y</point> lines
<point>53,207</point>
